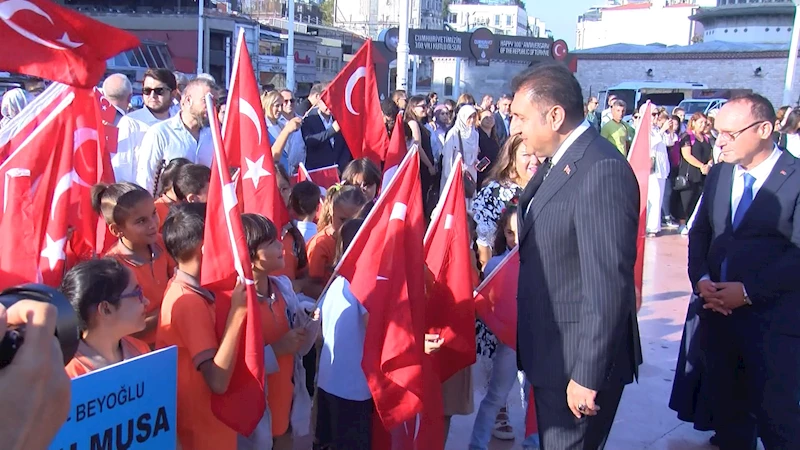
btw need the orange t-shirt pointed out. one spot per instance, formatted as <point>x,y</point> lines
<point>187,321</point>
<point>321,254</point>
<point>163,204</point>
<point>87,359</point>
<point>151,275</point>
<point>274,325</point>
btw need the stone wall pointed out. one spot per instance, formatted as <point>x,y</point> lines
<point>599,74</point>
<point>493,80</point>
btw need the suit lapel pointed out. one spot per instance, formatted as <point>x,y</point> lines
<point>556,178</point>
<point>780,173</point>
<point>722,198</point>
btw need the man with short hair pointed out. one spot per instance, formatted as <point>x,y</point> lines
<point>617,132</point>
<point>159,89</point>
<point>400,98</point>
<point>487,102</point>
<point>502,118</point>
<point>605,117</point>
<point>313,98</point>
<point>186,135</point>
<point>295,147</point>
<point>118,91</point>
<point>325,145</point>
<point>578,337</point>
<point>744,255</point>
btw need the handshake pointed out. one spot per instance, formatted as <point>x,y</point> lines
<point>40,335</point>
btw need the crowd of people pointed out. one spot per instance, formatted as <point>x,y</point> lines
<point>144,293</point>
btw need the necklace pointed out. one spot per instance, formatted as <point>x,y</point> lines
<point>270,293</point>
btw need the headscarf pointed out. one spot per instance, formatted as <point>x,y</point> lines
<point>13,102</point>
<point>469,137</point>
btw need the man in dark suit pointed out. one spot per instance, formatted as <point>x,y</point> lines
<point>578,338</point>
<point>744,260</point>
<point>502,118</point>
<point>325,145</point>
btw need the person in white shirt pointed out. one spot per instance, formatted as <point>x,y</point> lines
<point>659,171</point>
<point>118,91</point>
<point>184,136</point>
<point>159,89</point>
<point>295,146</point>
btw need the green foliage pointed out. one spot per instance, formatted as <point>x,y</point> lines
<point>326,7</point>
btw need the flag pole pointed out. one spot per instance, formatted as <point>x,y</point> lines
<point>200,34</point>
<point>290,46</point>
<point>787,84</point>
<point>401,81</point>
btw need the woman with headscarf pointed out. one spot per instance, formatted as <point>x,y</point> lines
<point>13,102</point>
<point>461,139</point>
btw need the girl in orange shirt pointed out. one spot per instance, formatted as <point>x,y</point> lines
<point>289,332</point>
<point>342,203</point>
<point>166,196</point>
<point>111,307</point>
<point>130,213</point>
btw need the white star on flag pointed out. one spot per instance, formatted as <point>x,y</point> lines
<point>255,170</point>
<point>54,251</point>
<point>399,211</point>
<point>448,222</point>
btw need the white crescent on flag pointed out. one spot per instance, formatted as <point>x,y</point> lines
<point>361,72</point>
<point>248,110</point>
<point>11,7</point>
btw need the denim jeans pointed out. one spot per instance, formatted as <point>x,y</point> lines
<point>504,374</point>
<point>531,441</point>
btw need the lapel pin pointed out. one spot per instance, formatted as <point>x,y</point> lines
<point>567,170</point>
<point>783,172</point>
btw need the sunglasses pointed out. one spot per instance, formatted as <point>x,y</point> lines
<point>159,91</point>
<point>290,101</point>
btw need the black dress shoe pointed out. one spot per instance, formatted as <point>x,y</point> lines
<point>714,440</point>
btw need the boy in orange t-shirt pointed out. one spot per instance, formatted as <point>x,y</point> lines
<point>205,364</point>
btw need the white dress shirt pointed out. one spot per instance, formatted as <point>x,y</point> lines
<point>166,141</point>
<point>131,130</point>
<point>328,124</point>
<point>658,150</point>
<point>793,144</point>
<point>760,172</point>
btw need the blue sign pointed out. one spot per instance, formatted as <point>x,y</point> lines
<point>130,405</point>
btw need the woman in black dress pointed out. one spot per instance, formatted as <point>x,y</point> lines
<point>696,161</point>
<point>487,142</point>
<point>415,119</point>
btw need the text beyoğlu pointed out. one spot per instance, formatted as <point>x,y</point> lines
<point>428,42</point>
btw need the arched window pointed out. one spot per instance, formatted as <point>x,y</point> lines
<point>448,86</point>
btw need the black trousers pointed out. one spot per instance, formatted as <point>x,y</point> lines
<point>560,430</point>
<point>343,424</point>
<point>756,384</point>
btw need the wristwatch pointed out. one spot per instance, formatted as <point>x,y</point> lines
<point>747,300</point>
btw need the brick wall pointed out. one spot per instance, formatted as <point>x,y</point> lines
<point>596,75</point>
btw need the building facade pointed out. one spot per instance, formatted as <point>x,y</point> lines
<point>764,21</point>
<point>642,22</point>
<point>507,18</point>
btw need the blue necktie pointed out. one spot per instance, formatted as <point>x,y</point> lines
<point>746,201</point>
<point>744,205</point>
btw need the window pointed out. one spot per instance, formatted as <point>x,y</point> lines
<point>325,63</point>
<point>508,21</point>
<point>497,20</point>
<point>448,86</point>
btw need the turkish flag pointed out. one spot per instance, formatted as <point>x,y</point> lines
<point>225,255</point>
<point>395,153</point>
<point>451,306</point>
<point>247,143</point>
<point>50,140</point>
<point>496,299</point>
<point>639,158</point>
<point>384,265</point>
<point>324,177</point>
<point>357,107</point>
<point>19,262</point>
<point>107,111</point>
<point>43,39</point>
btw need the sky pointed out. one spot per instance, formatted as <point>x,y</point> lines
<point>561,16</point>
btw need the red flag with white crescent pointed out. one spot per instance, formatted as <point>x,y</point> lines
<point>352,98</point>
<point>226,257</point>
<point>496,299</point>
<point>43,39</point>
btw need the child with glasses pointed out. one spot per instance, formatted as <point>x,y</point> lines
<point>111,307</point>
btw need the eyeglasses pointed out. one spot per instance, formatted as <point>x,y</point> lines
<point>733,136</point>
<point>137,293</point>
<point>290,101</point>
<point>159,91</point>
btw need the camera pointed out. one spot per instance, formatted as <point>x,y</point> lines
<point>67,326</point>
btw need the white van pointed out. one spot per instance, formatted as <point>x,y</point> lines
<point>662,93</point>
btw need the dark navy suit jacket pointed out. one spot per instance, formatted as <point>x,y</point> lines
<point>763,252</point>
<point>319,151</point>
<point>576,295</point>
